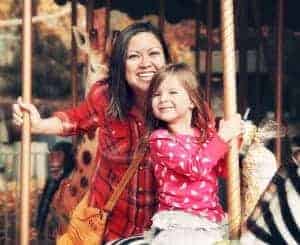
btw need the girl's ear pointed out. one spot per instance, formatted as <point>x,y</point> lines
<point>192,106</point>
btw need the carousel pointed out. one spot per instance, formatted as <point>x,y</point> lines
<point>262,190</point>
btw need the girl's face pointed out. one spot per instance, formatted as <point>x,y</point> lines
<point>144,57</point>
<point>171,103</point>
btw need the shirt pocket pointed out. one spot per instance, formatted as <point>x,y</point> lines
<point>116,141</point>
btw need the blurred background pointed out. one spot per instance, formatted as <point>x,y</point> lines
<point>192,30</point>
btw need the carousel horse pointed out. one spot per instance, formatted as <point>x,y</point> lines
<point>270,216</point>
<point>258,164</point>
<point>276,217</point>
<point>72,189</point>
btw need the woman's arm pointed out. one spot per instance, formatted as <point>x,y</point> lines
<point>82,118</point>
<point>51,125</point>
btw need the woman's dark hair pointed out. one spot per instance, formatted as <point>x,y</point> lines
<point>120,94</point>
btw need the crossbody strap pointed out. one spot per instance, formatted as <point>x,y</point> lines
<point>137,158</point>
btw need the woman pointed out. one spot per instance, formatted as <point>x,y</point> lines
<point>116,107</point>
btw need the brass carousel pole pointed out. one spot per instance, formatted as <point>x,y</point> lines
<point>230,108</point>
<point>107,20</point>
<point>208,62</point>
<point>279,77</point>
<point>197,37</point>
<point>26,137</point>
<point>89,15</point>
<point>74,77</point>
<point>161,20</point>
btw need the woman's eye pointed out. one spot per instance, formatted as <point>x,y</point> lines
<point>173,92</point>
<point>132,56</point>
<point>155,95</point>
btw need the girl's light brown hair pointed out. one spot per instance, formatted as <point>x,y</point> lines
<point>202,116</point>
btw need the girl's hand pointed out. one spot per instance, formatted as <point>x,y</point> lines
<point>19,107</point>
<point>230,128</point>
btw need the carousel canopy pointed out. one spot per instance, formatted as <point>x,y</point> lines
<point>176,10</point>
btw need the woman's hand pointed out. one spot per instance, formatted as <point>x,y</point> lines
<point>230,128</point>
<point>51,125</point>
<point>35,117</point>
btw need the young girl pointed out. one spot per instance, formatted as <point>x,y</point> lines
<point>185,149</point>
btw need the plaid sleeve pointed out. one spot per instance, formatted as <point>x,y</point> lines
<point>87,115</point>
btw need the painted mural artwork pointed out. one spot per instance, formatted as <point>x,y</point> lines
<point>266,189</point>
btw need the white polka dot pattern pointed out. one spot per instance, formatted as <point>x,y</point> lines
<point>194,193</point>
<point>186,172</point>
<point>173,178</point>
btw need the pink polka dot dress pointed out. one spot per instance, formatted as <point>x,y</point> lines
<point>187,171</point>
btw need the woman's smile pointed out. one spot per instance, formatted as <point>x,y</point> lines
<point>146,76</point>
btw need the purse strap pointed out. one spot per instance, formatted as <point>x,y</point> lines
<point>137,158</point>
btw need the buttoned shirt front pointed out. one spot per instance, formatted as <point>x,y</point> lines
<point>117,141</point>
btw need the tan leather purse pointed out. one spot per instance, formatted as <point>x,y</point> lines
<point>87,224</point>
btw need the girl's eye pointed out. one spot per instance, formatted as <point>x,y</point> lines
<point>154,53</point>
<point>173,92</point>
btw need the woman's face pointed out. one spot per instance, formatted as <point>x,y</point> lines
<point>144,57</point>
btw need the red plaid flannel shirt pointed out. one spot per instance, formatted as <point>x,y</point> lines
<point>117,140</point>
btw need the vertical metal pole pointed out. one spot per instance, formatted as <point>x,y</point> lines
<point>89,15</point>
<point>197,39</point>
<point>74,77</point>
<point>279,78</point>
<point>26,137</point>
<point>243,54</point>
<point>161,20</point>
<point>230,108</point>
<point>107,20</point>
<point>258,85</point>
<point>208,61</point>
<point>92,36</point>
